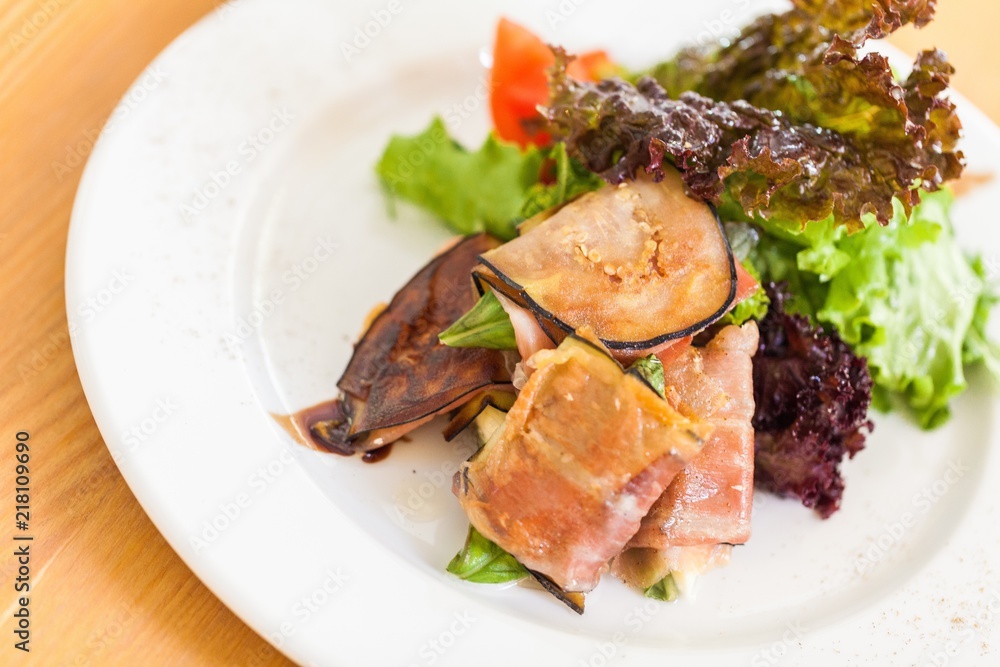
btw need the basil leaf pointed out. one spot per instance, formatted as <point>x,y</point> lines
<point>485,325</point>
<point>665,589</point>
<point>650,370</point>
<point>483,562</point>
<point>569,179</point>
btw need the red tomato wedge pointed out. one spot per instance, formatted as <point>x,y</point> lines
<point>746,285</point>
<point>519,80</point>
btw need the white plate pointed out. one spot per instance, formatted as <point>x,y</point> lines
<point>228,238</point>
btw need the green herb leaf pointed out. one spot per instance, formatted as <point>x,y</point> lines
<point>650,370</point>
<point>483,562</point>
<point>568,180</point>
<point>665,589</point>
<point>486,325</point>
<point>491,189</point>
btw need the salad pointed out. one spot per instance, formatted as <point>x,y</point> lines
<point>673,288</point>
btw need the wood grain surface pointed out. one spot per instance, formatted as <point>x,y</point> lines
<point>107,589</point>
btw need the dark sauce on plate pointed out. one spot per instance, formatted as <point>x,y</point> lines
<point>324,427</point>
<point>376,455</point>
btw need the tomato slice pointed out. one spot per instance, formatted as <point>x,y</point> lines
<point>746,285</point>
<point>593,66</point>
<point>519,80</point>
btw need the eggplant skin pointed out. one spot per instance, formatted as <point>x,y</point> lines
<point>642,264</point>
<point>501,398</point>
<point>400,372</point>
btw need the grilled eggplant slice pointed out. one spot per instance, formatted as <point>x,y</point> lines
<point>642,264</point>
<point>400,375</point>
<point>500,399</point>
<point>584,452</point>
<point>575,601</point>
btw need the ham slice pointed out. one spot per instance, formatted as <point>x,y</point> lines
<point>710,502</point>
<point>528,332</point>
<point>585,451</point>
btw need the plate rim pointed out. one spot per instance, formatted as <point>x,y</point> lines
<point>159,513</point>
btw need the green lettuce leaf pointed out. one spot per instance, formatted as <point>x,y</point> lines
<point>491,189</point>
<point>566,179</point>
<point>904,296</point>
<point>978,347</point>
<point>483,562</point>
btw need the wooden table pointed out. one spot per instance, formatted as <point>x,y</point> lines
<point>107,589</point>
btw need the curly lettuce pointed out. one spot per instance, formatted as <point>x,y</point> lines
<point>765,160</point>
<point>904,296</point>
<point>789,118</point>
<point>806,64</point>
<point>811,398</point>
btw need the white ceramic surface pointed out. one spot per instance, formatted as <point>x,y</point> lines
<point>229,236</point>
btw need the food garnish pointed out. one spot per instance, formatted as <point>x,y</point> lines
<point>812,396</point>
<point>562,486</point>
<point>602,333</point>
<point>400,376</point>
